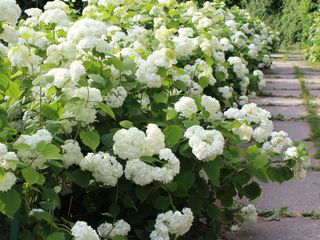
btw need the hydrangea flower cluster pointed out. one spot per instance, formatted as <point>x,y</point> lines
<point>103,166</point>
<point>28,154</point>
<point>142,173</point>
<point>109,231</point>
<point>172,223</point>
<point>206,144</point>
<point>249,213</point>
<point>133,143</point>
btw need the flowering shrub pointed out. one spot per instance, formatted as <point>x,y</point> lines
<point>314,40</point>
<point>132,121</point>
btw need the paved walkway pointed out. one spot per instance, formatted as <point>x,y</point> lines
<point>284,102</point>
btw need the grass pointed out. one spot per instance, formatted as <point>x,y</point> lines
<point>312,118</point>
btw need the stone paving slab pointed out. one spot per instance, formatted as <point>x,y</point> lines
<point>300,196</point>
<point>297,130</point>
<point>286,229</point>
<point>277,101</point>
<point>284,86</point>
<point>315,92</point>
<point>288,112</point>
<point>275,77</point>
<point>284,93</point>
<point>314,86</point>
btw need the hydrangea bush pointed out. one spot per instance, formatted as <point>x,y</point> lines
<point>132,120</point>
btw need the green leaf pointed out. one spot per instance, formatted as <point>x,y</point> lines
<point>204,82</point>
<point>161,202</point>
<point>220,76</point>
<point>160,97</point>
<point>173,134</point>
<point>117,63</point>
<point>107,110</point>
<point>180,85</point>
<point>171,114</point>
<point>52,111</point>
<point>10,202</point>
<point>97,79</point>
<point>143,193</point>
<point>56,236</point>
<point>260,161</point>
<point>119,238</point>
<point>212,169</point>
<point>90,138</point>
<point>43,81</point>
<point>126,124</point>
<point>252,191</point>
<point>79,177</point>
<point>51,151</point>
<point>32,176</point>
<point>148,159</point>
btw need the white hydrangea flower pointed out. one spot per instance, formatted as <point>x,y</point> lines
<point>33,12</point>
<point>212,106</point>
<point>186,106</point>
<point>206,144</point>
<point>184,46</point>
<point>29,36</point>
<point>109,231</point>
<point>163,34</point>
<point>116,97</point>
<point>278,142</point>
<point>226,45</point>
<point>185,32</point>
<point>22,56</point>
<point>244,132</point>
<point>129,144</point>
<point>147,73</point>
<point>29,156</point>
<point>154,141</point>
<point>204,23</point>
<point>86,27</point>
<point>243,100</point>
<point>170,169</point>
<point>142,173</point>
<point>7,181</point>
<point>162,58</point>
<point>77,70</point>
<point>9,34</point>
<point>6,157</point>
<point>71,153</point>
<point>55,16</point>
<point>10,11</point>
<point>195,89</point>
<point>249,213</point>
<point>56,4</point>
<point>172,223</point>
<point>226,91</point>
<point>239,68</point>
<point>82,231</point>
<point>61,77</point>
<point>262,132</point>
<point>291,153</point>
<point>103,166</point>
<point>139,172</point>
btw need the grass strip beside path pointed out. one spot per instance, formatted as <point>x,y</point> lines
<point>312,118</point>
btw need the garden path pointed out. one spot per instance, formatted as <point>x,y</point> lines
<point>284,100</point>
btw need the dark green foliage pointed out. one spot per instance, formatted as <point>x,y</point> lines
<point>292,18</point>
